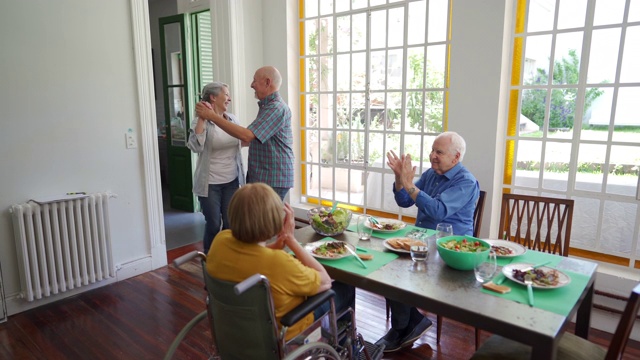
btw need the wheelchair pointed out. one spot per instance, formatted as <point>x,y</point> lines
<point>243,324</point>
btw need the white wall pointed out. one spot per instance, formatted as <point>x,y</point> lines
<point>68,94</point>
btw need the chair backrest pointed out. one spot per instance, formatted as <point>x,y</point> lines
<point>477,214</point>
<point>537,222</point>
<point>243,326</point>
<point>627,319</point>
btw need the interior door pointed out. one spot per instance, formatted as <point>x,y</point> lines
<point>176,72</point>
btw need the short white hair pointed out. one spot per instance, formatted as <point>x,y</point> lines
<point>458,145</point>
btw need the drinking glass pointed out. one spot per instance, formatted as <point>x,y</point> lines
<point>484,266</point>
<point>443,229</point>
<point>364,227</point>
<point>419,252</point>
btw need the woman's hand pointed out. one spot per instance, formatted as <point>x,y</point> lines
<point>204,111</point>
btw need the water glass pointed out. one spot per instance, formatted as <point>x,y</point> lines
<point>364,227</point>
<point>443,229</point>
<point>419,252</point>
<point>485,266</point>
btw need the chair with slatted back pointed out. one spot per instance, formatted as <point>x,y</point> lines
<point>477,224</point>
<point>570,345</point>
<point>537,222</point>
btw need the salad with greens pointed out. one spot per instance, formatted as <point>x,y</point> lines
<point>464,246</point>
<point>327,223</point>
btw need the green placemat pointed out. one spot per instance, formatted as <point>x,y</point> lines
<point>532,257</point>
<point>399,233</point>
<point>351,264</point>
<point>559,301</point>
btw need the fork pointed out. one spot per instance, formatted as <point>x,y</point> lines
<point>529,282</point>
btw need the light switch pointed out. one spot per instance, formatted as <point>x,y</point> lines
<point>130,138</point>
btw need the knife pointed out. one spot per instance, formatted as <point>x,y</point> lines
<point>356,255</point>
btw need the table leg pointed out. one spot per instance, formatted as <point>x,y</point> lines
<point>583,318</point>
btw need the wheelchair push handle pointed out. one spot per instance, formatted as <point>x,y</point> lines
<point>187,257</point>
<point>249,283</point>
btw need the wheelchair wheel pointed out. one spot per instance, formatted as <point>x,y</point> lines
<point>311,351</point>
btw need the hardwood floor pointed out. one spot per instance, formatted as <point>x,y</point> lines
<point>138,318</point>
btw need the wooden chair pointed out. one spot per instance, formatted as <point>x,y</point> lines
<point>477,224</point>
<point>570,346</point>
<point>537,222</point>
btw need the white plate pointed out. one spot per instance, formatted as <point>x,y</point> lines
<point>386,244</point>
<point>388,221</point>
<point>563,279</point>
<point>515,247</point>
<point>312,246</point>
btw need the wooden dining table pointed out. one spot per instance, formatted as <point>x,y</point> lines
<point>457,295</point>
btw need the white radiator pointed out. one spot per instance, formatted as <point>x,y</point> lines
<point>62,245</point>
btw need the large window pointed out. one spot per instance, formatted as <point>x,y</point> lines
<point>574,129</point>
<point>373,79</point>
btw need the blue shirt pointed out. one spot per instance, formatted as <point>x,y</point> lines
<point>271,154</point>
<point>449,198</point>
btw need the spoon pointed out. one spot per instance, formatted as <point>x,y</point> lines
<point>529,282</point>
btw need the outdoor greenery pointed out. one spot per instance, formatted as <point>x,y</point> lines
<point>563,100</point>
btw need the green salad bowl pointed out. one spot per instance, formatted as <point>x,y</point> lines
<point>461,257</point>
<point>328,223</point>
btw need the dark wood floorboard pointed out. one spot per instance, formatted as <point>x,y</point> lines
<point>138,318</point>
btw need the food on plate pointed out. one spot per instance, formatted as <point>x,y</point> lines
<point>331,222</point>
<point>403,243</point>
<point>539,276</point>
<point>381,225</point>
<point>502,250</point>
<point>463,246</point>
<point>331,249</point>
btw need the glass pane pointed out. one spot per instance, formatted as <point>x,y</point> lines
<point>342,6</point>
<point>415,68</point>
<point>326,36</point>
<point>394,69</point>
<point>313,180</point>
<point>597,114</point>
<point>413,147</point>
<point>342,146</point>
<point>413,121</point>
<point>359,75</point>
<point>436,65</point>
<point>532,109</point>
<point>312,146</point>
<point>312,114</point>
<point>359,32</point>
<point>563,109</point>
<point>326,111</point>
<point>376,150</point>
<point>617,227</point>
<point>585,222</point>
<point>358,4</point>
<point>176,114</point>
<point>589,173</point>
<point>392,143</point>
<point>310,8</point>
<point>343,118</point>
<point>326,7</point>
<point>536,60</point>
<point>623,170</point>
<point>438,15</point>
<point>343,37</point>
<point>378,29</point>
<point>631,56</point>
<point>566,67</point>
<point>311,33</point>
<point>528,163</point>
<point>417,21</point>
<point>541,14</point>
<point>326,147</point>
<point>396,27</point>
<point>571,13</point>
<point>344,72</point>
<point>378,111</point>
<point>608,12</point>
<point>627,110</point>
<point>556,166</point>
<point>425,163</point>
<point>378,70</point>
<point>326,73</point>
<point>357,147</point>
<point>356,187</point>
<point>312,74</point>
<point>433,112</point>
<point>603,59</point>
<point>376,2</point>
<point>634,13</point>
<point>394,110</point>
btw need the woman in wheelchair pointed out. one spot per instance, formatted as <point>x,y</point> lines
<point>256,215</point>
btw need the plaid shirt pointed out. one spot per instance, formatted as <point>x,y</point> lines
<point>271,153</point>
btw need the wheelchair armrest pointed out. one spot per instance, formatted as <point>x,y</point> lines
<point>306,307</point>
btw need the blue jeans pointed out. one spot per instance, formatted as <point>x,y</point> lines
<point>214,208</point>
<point>345,297</point>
